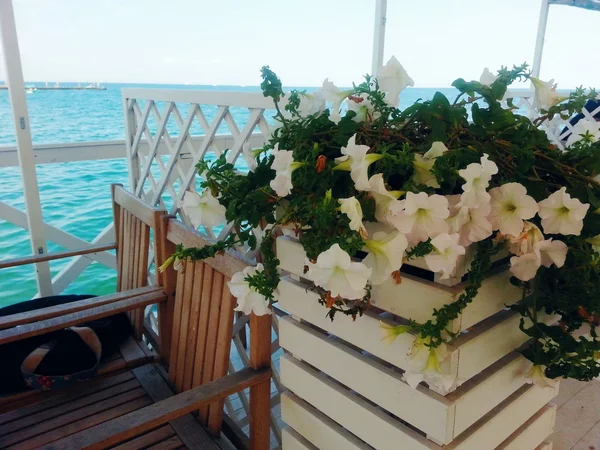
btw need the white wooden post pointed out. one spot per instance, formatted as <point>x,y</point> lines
<point>379,35</point>
<point>539,41</point>
<point>133,163</point>
<point>16,90</point>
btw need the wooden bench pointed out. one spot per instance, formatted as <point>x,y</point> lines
<point>176,404</point>
<point>134,221</point>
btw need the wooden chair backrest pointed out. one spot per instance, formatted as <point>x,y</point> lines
<point>133,221</point>
<point>200,322</point>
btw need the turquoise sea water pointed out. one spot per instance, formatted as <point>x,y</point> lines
<point>75,196</point>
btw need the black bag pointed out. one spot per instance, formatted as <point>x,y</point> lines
<point>60,357</point>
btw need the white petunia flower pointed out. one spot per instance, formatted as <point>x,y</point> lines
<point>391,332</point>
<point>311,104</point>
<point>383,198</point>
<point>536,375</point>
<point>283,165</point>
<point>583,127</point>
<point>420,216</point>
<point>363,108</point>
<point>424,163</point>
<point>545,94</point>
<point>250,156</point>
<point>472,224</point>
<point>203,209</point>
<point>331,93</point>
<point>385,254</point>
<point>487,78</point>
<point>552,252</point>
<point>393,79</point>
<point>562,214</point>
<point>526,241</point>
<point>357,161</point>
<point>351,207</point>
<point>510,206</point>
<point>525,267</point>
<point>545,253</point>
<point>248,299</point>
<point>425,365</point>
<point>444,257</point>
<point>477,177</point>
<point>335,272</point>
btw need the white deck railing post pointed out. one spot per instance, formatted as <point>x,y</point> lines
<point>16,90</point>
<point>539,41</point>
<point>379,35</point>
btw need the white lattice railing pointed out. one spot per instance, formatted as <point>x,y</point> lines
<point>557,129</point>
<point>167,133</point>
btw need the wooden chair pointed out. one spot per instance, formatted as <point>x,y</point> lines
<point>152,406</point>
<point>134,221</point>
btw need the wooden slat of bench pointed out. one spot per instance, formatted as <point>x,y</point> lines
<point>167,410</point>
<point>168,444</point>
<point>186,427</point>
<point>67,418</point>
<point>133,204</point>
<point>41,441</point>
<point>47,414</point>
<point>57,323</point>
<point>68,395</point>
<point>112,366</point>
<point>131,351</point>
<point>147,439</point>
<point>227,264</point>
<point>80,305</point>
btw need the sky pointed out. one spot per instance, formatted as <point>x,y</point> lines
<point>225,42</point>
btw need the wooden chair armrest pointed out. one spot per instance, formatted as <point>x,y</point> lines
<point>59,310</point>
<point>137,422</point>
<point>67,320</point>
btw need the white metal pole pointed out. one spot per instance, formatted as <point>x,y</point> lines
<point>16,90</point>
<point>539,42</point>
<point>379,35</point>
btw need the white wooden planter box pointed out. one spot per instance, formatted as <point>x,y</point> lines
<point>351,381</point>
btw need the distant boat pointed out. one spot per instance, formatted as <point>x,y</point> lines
<point>31,90</point>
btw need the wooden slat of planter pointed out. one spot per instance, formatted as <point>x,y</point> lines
<point>478,349</point>
<point>489,341</point>
<point>505,419</point>
<point>442,418</point>
<point>293,441</point>
<point>359,417</point>
<point>422,408</point>
<point>495,293</point>
<point>485,391</point>
<point>382,432</point>
<point>533,432</point>
<point>316,427</point>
